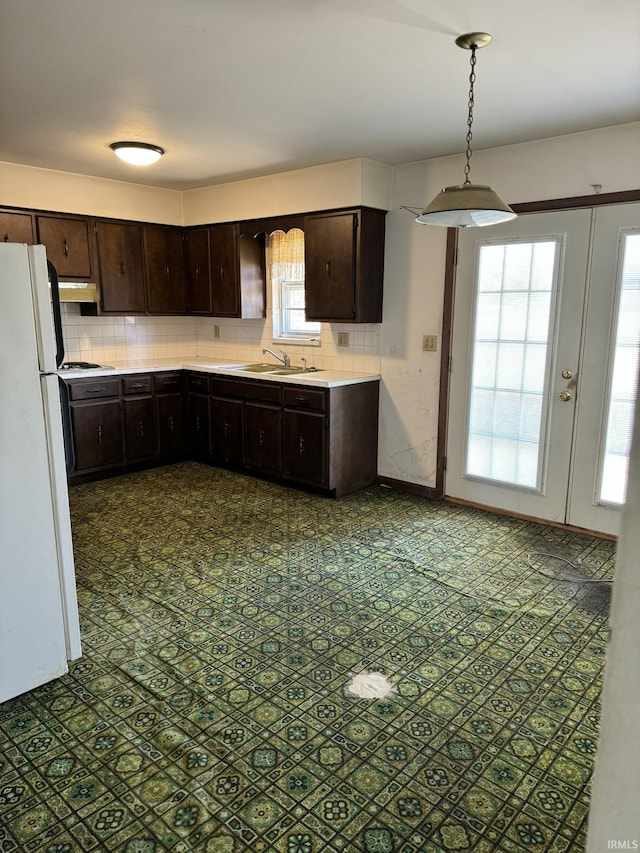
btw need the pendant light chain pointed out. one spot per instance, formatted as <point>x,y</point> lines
<point>472,80</point>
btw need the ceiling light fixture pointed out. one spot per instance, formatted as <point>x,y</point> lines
<point>469,204</point>
<point>137,153</point>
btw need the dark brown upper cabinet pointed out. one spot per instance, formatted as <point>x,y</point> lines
<point>166,284</point>
<point>121,264</point>
<point>344,263</point>
<point>16,227</point>
<point>238,274</point>
<point>70,244</point>
<point>198,271</point>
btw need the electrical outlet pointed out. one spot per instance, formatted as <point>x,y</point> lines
<point>343,339</point>
<point>216,331</point>
<point>429,343</point>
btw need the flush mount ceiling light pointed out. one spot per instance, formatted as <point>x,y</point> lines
<point>469,204</point>
<point>137,153</point>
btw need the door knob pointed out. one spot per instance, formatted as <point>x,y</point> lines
<point>565,396</point>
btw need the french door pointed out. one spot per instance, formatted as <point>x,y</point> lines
<point>544,364</point>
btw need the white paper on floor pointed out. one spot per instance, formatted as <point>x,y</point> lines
<point>370,685</point>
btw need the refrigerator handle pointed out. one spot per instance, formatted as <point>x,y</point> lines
<point>67,433</point>
<point>57,316</point>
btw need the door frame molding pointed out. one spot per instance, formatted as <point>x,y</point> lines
<point>570,203</point>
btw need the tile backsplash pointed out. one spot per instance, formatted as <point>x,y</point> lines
<point>117,339</point>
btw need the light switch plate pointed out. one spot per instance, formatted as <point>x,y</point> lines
<point>343,339</point>
<point>216,331</point>
<point>429,343</point>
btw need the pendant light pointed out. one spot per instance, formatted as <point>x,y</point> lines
<point>137,153</point>
<point>467,205</point>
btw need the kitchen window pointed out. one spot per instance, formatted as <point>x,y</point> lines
<point>286,272</point>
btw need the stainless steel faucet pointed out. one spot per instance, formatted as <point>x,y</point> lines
<point>284,358</point>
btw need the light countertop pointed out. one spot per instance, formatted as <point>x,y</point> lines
<point>223,367</point>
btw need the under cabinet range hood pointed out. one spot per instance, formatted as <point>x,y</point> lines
<point>77,291</point>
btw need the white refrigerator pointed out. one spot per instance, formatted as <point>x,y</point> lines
<point>39,628</point>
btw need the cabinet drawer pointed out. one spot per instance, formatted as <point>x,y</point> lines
<point>166,383</point>
<point>267,392</point>
<point>305,398</point>
<point>87,389</point>
<point>198,384</point>
<point>136,385</point>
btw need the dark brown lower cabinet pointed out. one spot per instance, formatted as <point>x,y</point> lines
<point>305,446</point>
<point>97,433</point>
<point>140,439</point>
<point>170,409</point>
<point>198,425</point>
<point>323,438</point>
<point>263,437</point>
<point>226,430</point>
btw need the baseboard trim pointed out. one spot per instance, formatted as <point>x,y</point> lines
<point>496,511</point>
<point>429,492</point>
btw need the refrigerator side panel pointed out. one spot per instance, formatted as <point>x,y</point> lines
<point>42,309</point>
<point>62,521</point>
<point>32,636</point>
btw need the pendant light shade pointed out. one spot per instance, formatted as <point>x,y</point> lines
<point>137,153</point>
<point>467,205</point>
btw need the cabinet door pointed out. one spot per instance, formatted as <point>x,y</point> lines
<point>97,434</point>
<point>263,437</point>
<point>224,271</point>
<point>16,228</point>
<point>304,446</point>
<point>330,266</point>
<point>139,428</point>
<point>226,430</point>
<point>199,271</point>
<point>170,410</point>
<point>120,257</point>
<point>198,424</point>
<point>68,246</point>
<point>164,251</point>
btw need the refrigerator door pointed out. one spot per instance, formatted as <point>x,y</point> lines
<point>34,530</point>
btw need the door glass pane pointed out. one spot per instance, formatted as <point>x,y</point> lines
<point>514,293</point>
<point>623,381</point>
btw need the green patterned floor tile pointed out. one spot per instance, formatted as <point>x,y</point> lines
<point>222,619</point>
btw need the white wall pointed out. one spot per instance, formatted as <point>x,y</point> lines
<point>614,814</point>
<point>414,268</point>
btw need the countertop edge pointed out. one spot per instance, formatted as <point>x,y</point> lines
<point>323,379</point>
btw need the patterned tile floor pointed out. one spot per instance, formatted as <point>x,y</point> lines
<point>222,618</point>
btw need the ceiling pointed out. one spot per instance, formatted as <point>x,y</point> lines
<point>234,89</point>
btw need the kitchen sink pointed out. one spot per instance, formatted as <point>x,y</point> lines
<point>262,367</point>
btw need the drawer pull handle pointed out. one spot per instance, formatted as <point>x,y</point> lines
<point>301,445</point>
<point>302,399</point>
<point>97,389</point>
<point>327,268</point>
<point>198,423</point>
<point>122,268</point>
<point>65,248</point>
<point>99,433</point>
<point>141,428</point>
<point>171,427</point>
<point>261,437</point>
<point>135,387</point>
<point>227,429</point>
<point>6,237</point>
